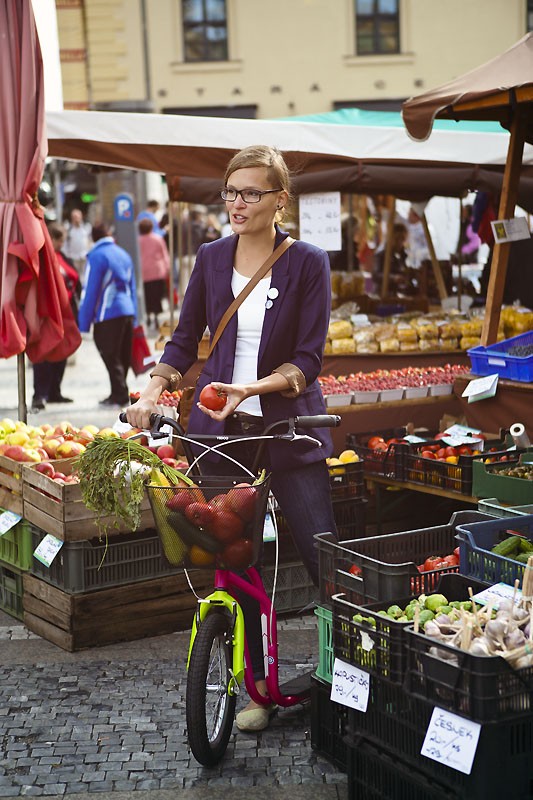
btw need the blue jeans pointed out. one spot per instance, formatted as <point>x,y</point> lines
<point>304,498</point>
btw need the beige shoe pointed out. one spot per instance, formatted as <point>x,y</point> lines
<point>255,719</point>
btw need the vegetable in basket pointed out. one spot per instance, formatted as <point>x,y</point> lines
<point>113,473</point>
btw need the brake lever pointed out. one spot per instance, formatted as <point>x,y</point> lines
<point>299,436</point>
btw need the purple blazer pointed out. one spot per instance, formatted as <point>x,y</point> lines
<point>294,331</point>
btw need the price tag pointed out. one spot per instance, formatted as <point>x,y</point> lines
<point>350,685</point>
<point>414,439</point>
<point>48,549</point>
<point>451,740</point>
<point>495,594</point>
<point>269,531</point>
<point>8,520</point>
<point>481,388</point>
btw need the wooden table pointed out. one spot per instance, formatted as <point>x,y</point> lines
<point>381,483</point>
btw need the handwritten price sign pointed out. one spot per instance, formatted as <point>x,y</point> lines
<point>451,740</point>
<point>350,686</point>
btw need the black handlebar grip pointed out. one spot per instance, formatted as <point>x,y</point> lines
<point>318,421</point>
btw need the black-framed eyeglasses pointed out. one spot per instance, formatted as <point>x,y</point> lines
<point>248,195</point>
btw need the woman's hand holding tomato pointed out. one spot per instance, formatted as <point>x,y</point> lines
<point>219,400</point>
<point>212,398</point>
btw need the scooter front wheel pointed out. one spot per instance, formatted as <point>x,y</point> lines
<point>210,707</point>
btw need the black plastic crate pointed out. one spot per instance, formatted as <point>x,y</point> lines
<point>347,481</point>
<point>328,724</point>
<point>388,461</point>
<point>398,722</point>
<point>98,563</point>
<point>11,590</point>
<point>387,563</point>
<point>443,475</point>
<point>376,774</point>
<point>350,518</point>
<point>381,650</point>
<point>483,688</point>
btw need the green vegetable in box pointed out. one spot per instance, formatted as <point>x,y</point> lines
<point>515,547</point>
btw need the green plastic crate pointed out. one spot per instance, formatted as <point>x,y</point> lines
<point>493,507</point>
<point>16,545</point>
<point>487,482</point>
<point>324,670</point>
<point>11,590</point>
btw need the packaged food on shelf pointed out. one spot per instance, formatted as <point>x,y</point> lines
<point>344,346</point>
<point>339,329</point>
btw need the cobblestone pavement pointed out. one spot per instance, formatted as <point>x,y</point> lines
<point>113,720</point>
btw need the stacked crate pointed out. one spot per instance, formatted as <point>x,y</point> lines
<point>366,570</point>
<point>410,674</point>
<point>100,588</point>
<point>15,559</point>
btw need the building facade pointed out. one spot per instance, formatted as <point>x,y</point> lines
<point>274,58</point>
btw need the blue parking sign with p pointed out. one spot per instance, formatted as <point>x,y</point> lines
<point>123,208</point>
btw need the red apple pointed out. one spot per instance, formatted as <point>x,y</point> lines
<point>69,449</point>
<point>46,468</point>
<point>50,446</point>
<point>171,462</point>
<point>18,453</point>
<point>165,451</point>
<point>83,437</point>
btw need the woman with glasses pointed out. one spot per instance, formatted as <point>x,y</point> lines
<point>266,361</point>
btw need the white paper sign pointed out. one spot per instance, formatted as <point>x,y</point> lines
<point>350,685</point>
<point>48,549</point>
<point>269,532</point>
<point>451,740</point>
<point>510,230</point>
<point>495,594</point>
<point>8,520</point>
<point>320,220</point>
<point>481,388</point>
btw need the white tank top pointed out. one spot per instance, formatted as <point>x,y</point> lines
<point>250,316</point>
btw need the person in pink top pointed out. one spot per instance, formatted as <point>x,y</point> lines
<point>155,266</point>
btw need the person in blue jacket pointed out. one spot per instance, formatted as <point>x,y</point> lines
<point>267,360</point>
<point>109,303</point>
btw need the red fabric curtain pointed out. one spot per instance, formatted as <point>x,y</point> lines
<point>35,314</point>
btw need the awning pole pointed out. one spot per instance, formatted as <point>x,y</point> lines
<point>171,246</point>
<point>388,248</point>
<point>441,287</point>
<point>500,256</point>
<point>21,379</point>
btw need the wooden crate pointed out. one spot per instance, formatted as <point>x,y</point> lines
<point>11,484</point>
<point>58,508</point>
<point>118,614</point>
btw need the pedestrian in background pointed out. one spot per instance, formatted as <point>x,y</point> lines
<point>151,211</point>
<point>155,268</point>
<point>78,240</point>
<point>109,304</point>
<point>48,375</point>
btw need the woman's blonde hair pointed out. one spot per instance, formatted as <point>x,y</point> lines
<point>262,155</point>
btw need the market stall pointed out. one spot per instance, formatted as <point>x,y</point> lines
<point>502,90</point>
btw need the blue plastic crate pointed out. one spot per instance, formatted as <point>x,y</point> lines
<point>475,542</point>
<point>496,359</point>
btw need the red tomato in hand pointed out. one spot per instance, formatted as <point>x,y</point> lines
<point>213,399</point>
